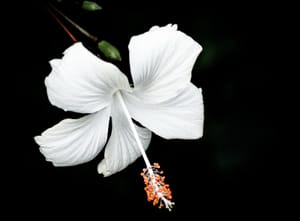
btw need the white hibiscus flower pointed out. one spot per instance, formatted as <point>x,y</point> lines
<point>163,100</point>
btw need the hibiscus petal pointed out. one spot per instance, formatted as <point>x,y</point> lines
<point>75,141</point>
<point>82,82</point>
<point>181,117</point>
<point>161,62</point>
<point>122,149</point>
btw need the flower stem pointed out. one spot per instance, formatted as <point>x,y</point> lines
<point>63,26</point>
<point>83,31</point>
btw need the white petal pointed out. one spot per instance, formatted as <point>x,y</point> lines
<point>121,149</point>
<point>161,62</point>
<point>75,141</point>
<point>82,82</point>
<point>181,117</point>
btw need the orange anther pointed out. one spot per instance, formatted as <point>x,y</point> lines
<point>157,191</point>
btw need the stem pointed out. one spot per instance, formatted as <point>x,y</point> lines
<point>83,31</point>
<point>63,26</point>
<point>135,134</point>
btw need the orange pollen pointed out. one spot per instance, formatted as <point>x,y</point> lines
<point>156,189</point>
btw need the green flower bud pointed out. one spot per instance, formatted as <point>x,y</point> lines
<point>109,50</point>
<point>90,6</point>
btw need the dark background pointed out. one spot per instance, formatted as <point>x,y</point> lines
<point>235,170</point>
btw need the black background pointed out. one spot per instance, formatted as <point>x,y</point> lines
<point>235,170</point>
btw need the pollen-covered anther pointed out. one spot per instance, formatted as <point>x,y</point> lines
<point>156,189</point>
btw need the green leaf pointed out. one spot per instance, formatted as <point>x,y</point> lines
<point>109,50</point>
<point>90,6</point>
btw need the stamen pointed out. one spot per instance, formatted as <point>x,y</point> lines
<point>156,189</point>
